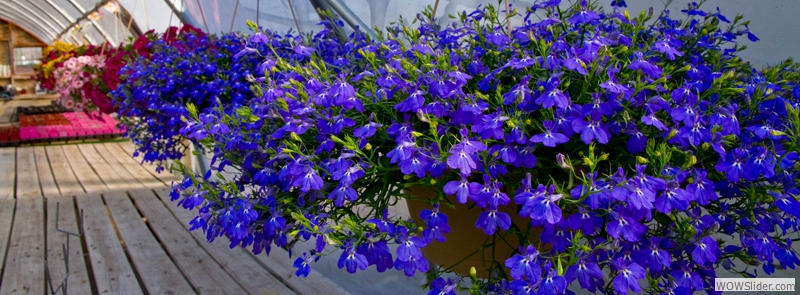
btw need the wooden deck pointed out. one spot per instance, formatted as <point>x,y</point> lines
<point>135,240</point>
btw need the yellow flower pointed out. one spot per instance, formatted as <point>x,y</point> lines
<point>63,48</point>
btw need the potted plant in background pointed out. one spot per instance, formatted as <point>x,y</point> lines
<point>625,144</point>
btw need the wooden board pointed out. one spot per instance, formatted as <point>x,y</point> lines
<point>110,176</point>
<point>27,178</point>
<point>46,180</point>
<point>200,269</point>
<point>128,149</point>
<point>24,268</point>
<point>8,172</point>
<point>156,269</point>
<point>6,218</point>
<point>278,263</point>
<point>236,262</point>
<point>65,178</point>
<point>78,280</point>
<point>134,169</point>
<point>112,273</point>
<point>86,175</point>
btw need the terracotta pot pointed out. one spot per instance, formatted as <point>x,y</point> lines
<point>464,238</point>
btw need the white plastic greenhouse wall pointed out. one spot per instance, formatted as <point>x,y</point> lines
<point>93,21</point>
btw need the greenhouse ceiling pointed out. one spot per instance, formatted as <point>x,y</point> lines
<point>98,21</point>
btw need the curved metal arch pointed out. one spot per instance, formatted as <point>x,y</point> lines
<point>32,20</point>
<point>56,19</point>
<point>97,26</point>
<point>34,16</point>
<point>67,16</point>
<point>23,24</point>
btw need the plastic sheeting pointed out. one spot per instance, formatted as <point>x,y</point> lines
<point>87,21</point>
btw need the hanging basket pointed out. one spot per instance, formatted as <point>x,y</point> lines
<point>462,248</point>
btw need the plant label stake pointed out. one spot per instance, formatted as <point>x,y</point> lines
<point>62,286</point>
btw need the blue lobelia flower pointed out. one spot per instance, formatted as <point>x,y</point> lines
<point>685,277</point>
<point>584,16</point>
<point>543,207</point>
<point>341,193</point>
<point>653,256</point>
<point>549,137</point>
<point>702,188</point>
<point>552,96</point>
<point>412,103</point>
<point>383,224</point>
<point>787,257</point>
<point>493,196</point>
<point>587,273</point>
<point>440,286</point>
<point>732,165</point>
<point>436,224</point>
<point>585,220</point>
<point>519,93</point>
<point>760,163</point>
<point>621,224</point>
<point>368,130</point>
<point>523,287</point>
<point>525,265</point>
<point>409,246</point>
<point>706,251</point>
<point>552,283</point>
<point>628,276</point>
<point>557,234</point>
<point>301,263</point>
<point>491,220</point>
<point>673,198</point>
<point>344,95</point>
<point>668,46</point>
<point>463,189</point>
<point>377,253</point>
<point>352,260</point>
<point>592,130</point>
<point>641,64</point>
<point>416,165</point>
<point>411,265</point>
<point>573,62</point>
<point>612,86</point>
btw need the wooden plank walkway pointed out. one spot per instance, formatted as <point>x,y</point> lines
<point>135,240</point>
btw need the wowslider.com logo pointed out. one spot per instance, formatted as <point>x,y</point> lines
<point>754,284</point>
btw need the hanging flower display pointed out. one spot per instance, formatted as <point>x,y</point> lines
<point>590,146</point>
<point>582,148</point>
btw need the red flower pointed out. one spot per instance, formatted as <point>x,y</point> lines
<point>141,46</point>
<point>98,98</point>
<point>170,35</point>
<point>187,28</point>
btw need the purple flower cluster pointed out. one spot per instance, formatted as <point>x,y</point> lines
<point>627,144</point>
<point>172,70</point>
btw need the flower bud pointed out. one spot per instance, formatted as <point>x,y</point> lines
<point>672,134</point>
<point>295,137</point>
<point>421,116</point>
<point>776,133</point>
<point>562,161</point>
